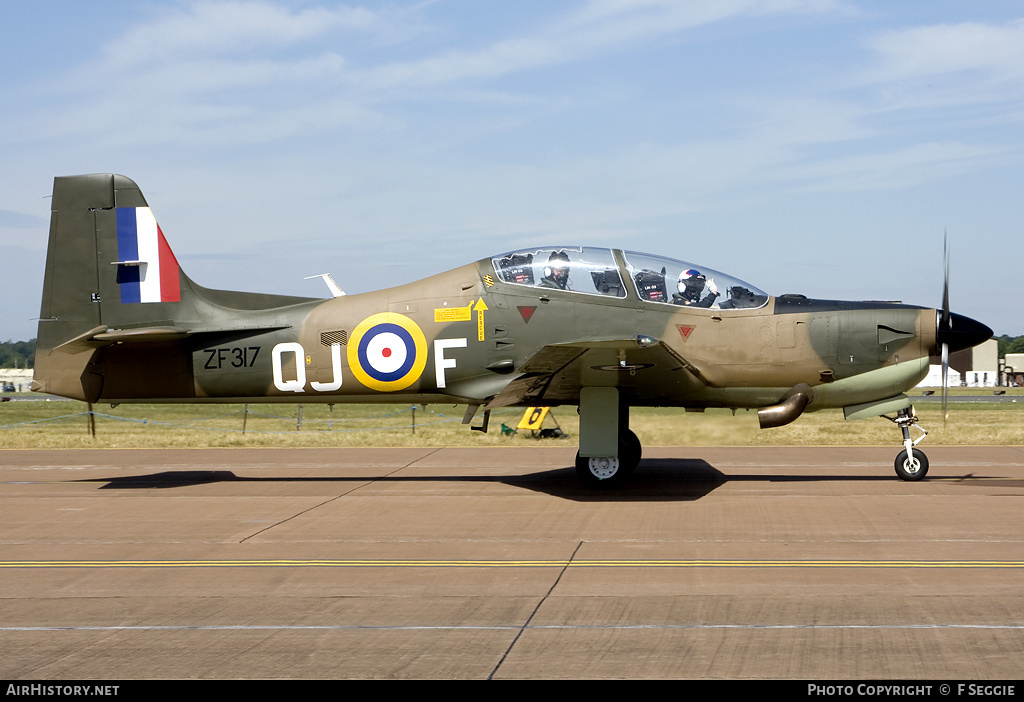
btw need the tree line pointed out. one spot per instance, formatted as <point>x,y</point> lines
<point>17,354</point>
<point>1010,344</point>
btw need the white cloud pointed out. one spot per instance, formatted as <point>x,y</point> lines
<point>202,29</point>
<point>235,72</point>
<point>599,26</point>
<point>880,170</point>
<point>659,16</point>
<point>994,51</point>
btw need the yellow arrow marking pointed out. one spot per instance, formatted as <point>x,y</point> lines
<point>480,308</point>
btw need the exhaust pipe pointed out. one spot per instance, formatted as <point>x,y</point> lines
<point>789,408</point>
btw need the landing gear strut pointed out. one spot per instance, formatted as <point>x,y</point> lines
<point>609,451</point>
<point>910,464</point>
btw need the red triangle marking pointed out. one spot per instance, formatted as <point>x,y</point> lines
<point>685,330</point>
<point>527,313</point>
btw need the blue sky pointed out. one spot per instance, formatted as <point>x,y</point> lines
<point>811,146</point>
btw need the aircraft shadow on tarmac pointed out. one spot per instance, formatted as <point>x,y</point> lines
<point>656,479</point>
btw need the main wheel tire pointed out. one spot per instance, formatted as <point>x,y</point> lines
<point>600,472</point>
<point>911,470</point>
<point>611,472</point>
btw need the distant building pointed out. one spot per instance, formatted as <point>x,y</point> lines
<point>977,367</point>
<point>15,379</point>
<point>1013,369</point>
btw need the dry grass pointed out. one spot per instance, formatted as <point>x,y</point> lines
<point>64,424</point>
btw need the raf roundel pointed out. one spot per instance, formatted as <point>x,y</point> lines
<point>387,352</point>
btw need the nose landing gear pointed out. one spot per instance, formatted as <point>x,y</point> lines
<point>910,464</point>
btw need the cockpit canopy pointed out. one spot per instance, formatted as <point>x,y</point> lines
<point>596,271</point>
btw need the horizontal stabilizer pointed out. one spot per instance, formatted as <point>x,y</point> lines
<point>102,336</point>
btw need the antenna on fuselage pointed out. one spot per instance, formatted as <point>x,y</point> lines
<point>329,281</point>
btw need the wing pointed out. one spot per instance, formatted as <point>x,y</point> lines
<point>642,368</point>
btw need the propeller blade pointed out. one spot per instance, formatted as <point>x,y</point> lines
<point>945,382</point>
<point>960,333</point>
<point>953,332</point>
<point>945,326</point>
<point>945,319</point>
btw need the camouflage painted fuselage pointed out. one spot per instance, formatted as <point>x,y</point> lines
<point>464,336</point>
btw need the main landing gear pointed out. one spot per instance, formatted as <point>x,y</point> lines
<point>609,451</point>
<point>606,472</point>
<point>910,464</point>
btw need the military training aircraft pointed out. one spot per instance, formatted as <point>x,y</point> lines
<point>603,329</point>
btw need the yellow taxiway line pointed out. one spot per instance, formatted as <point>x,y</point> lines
<point>336,563</point>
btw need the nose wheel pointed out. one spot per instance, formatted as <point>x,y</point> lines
<point>911,464</point>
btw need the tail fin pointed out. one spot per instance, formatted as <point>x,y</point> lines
<point>111,277</point>
<point>107,261</point>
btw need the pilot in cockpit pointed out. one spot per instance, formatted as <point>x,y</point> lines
<point>691,286</point>
<point>556,271</point>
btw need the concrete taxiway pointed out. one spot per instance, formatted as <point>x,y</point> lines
<point>813,563</point>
